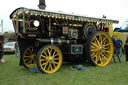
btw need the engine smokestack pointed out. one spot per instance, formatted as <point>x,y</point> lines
<point>42,4</point>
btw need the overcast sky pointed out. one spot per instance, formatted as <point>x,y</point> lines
<point>113,9</point>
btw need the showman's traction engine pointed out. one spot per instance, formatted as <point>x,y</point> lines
<point>46,39</point>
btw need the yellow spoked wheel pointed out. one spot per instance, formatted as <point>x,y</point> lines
<point>29,58</point>
<point>49,59</point>
<point>100,49</point>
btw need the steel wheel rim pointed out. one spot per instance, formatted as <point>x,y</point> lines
<point>101,49</point>
<point>29,57</point>
<point>50,59</point>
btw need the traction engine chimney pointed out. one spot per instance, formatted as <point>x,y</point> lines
<point>42,4</point>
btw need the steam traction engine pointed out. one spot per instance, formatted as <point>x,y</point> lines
<point>47,38</point>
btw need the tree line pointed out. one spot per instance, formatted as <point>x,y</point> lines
<point>10,35</point>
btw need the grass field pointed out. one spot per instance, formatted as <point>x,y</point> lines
<point>112,74</point>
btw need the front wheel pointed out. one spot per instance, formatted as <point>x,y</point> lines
<point>99,49</point>
<point>49,59</point>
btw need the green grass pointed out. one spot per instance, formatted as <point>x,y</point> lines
<point>113,74</point>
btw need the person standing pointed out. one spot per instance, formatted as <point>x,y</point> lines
<point>126,48</point>
<point>114,41</point>
<point>1,52</point>
<point>119,47</point>
<point>115,49</point>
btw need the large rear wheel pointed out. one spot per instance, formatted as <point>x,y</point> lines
<point>99,49</point>
<point>49,59</point>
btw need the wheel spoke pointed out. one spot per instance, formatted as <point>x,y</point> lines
<point>101,60</point>
<point>56,58</point>
<point>93,47</point>
<point>27,53</point>
<point>30,51</point>
<point>108,44</point>
<point>96,60</point>
<point>50,66</point>
<point>92,50</point>
<point>93,53</point>
<point>104,56</point>
<point>56,62</point>
<point>94,44</point>
<point>107,51</point>
<point>55,55</point>
<point>103,40</point>
<point>106,48</point>
<point>43,56</point>
<point>99,37</point>
<point>44,64</point>
<point>45,53</point>
<point>30,61</point>
<point>49,53</point>
<point>54,52</point>
<point>25,60</point>
<point>97,41</point>
<point>26,56</point>
<point>43,60</point>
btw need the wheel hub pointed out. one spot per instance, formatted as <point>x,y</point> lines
<point>51,59</point>
<point>101,49</point>
<point>32,56</point>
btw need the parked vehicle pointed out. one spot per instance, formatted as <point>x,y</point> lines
<point>46,38</point>
<point>9,47</point>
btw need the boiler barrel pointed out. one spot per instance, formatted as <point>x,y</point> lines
<point>57,41</point>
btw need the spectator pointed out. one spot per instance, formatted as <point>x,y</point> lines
<point>119,47</point>
<point>114,40</point>
<point>126,48</point>
<point>1,52</point>
<point>17,52</point>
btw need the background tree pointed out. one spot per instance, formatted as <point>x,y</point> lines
<point>10,35</point>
